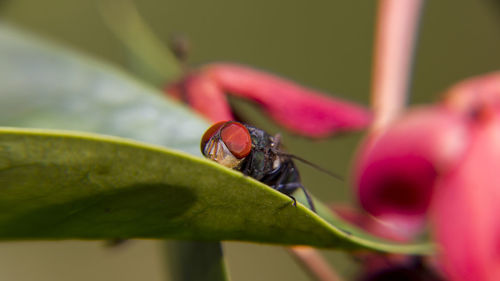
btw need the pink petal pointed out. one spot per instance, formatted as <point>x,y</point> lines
<point>396,170</point>
<point>466,209</point>
<point>299,109</point>
<point>175,91</point>
<point>203,95</point>
<point>379,266</point>
<point>466,97</point>
<point>368,223</point>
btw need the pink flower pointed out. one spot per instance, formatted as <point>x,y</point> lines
<point>301,110</point>
<point>383,266</point>
<point>397,169</point>
<point>466,208</point>
<point>474,93</point>
<point>203,95</point>
<point>442,160</point>
<point>367,222</point>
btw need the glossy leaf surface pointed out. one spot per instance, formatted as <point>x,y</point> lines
<point>61,185</point>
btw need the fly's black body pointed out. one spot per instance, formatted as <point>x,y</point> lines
<point>255,153</point>
<point>268,164</point>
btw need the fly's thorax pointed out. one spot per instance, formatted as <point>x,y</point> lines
<point>275,147</point>
<point>264,159</point>
<point>277,162</point>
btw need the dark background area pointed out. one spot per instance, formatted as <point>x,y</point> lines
<point>325,45</point>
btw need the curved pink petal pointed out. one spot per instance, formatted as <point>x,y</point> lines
<point>299,109</point>
<point>396,170</point>
<point>204,95</point>
<point>379,266</point>
<point>368,223</point>
<point>466,209</point>
<point>470,95</point>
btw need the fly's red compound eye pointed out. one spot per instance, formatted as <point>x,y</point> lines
<point>237,139</point>
<point>210,133</point>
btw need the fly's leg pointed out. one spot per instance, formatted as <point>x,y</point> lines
<point>282,188</point>
<point>286,188</point>
<point>284,185</point>
<point>308,197</point>
<point>291,197</point>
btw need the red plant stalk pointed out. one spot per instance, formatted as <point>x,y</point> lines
<point>396,30</point>
<point>314,263</point>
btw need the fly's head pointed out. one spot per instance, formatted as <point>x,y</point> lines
<point>227,143</point>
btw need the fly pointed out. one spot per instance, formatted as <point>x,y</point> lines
<point>257,154</point>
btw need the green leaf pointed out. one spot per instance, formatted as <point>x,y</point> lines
<point>59,185</point>
<point>62,185</point>
<point>46,86</point>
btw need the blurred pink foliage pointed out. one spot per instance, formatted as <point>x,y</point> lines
<point>466,204</point>
<point>379,266</point>
<point>202,94</point>
<point>301,110</point>
<point>396,169</point>
<point>442,160</point>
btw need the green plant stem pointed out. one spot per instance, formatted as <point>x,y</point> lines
<point>149,57</point>
<point>191,260</point>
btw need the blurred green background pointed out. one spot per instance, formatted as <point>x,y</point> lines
<point>326,45</point>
